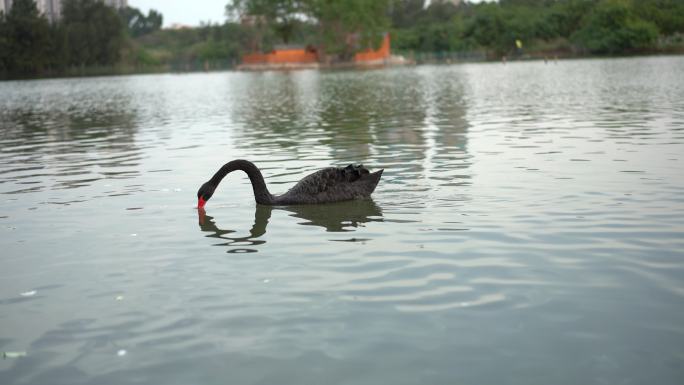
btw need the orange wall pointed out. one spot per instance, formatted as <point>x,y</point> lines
<point>381,53</point>
<point>281,56</point>
<point>303,56</point>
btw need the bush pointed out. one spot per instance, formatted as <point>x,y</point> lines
<point>612,28</point>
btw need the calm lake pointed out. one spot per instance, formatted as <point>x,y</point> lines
<point>528,228</point>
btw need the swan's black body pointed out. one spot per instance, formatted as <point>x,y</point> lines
<point>333,184</point>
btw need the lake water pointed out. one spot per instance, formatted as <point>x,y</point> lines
<point>528,228</point>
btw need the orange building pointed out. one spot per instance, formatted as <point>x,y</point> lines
<point>308,57</point>
<point>282,56</point>
<point>379,55</point>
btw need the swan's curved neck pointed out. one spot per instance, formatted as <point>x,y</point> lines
<point>261,194</point>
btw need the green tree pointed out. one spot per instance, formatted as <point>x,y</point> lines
<point>138,24</point>
<point>93,32</point>
<point>4,46</point>
<point>668,15</point>
<point>487,27</point>
<point>612,27</point>
<point>349,26</point>
<point>26,40</point>
<point>344,27</point>
<point>403,13</point>
<point>565,17</point>
<point>439,27</point>
<point>282,15</point>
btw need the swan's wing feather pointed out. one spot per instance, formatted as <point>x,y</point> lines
<point>320,181</point>
<point>332,184</point>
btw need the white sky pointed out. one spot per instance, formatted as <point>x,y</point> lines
<point>188,12</point>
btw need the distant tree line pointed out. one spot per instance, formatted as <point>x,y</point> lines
<point>577,26</point>
<point>208,46</point>
<point>91,35</point>
<point>584,26</point>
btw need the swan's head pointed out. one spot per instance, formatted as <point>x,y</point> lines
<point>204,194</point>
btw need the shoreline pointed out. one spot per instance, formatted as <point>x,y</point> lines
<point>122,70</point>
<point>392,61</point>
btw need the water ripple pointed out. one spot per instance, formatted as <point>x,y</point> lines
<point>523,207</point>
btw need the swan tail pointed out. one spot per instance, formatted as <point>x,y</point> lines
<point>376,176</point>
<point>372,180</point>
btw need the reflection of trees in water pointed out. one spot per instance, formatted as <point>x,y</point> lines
<point>100,129</point>
<point>334,217</point>
<point>71,111</point>
<point>413,115</point>
<point>446,126</point>
<point>278,110</point>
<point>75,131</point>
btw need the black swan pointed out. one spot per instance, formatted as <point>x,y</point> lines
<point>332,184</point>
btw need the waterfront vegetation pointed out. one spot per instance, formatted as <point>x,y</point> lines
<point>92,38</point>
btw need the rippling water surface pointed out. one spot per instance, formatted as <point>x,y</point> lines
<point>528,229</point>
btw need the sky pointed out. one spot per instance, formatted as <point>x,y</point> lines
<point>186,12</point>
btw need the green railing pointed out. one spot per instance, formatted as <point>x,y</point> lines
<point>443,57</point>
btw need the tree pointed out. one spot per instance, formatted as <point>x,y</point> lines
<point>344,27</point>
<point>667,15</point>
<point>4,46</point>
<point>487,27</point>
<point>138,24</point>
<point>282,15</point>
<point>93,32</point>
<point>565,17</point>
<point>612,27</point>
<point>349,26</point>
<point>25,40</point>
<point>403,13</point>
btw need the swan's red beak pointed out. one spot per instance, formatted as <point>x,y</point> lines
<point>200,203</point>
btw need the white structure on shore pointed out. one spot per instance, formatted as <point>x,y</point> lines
<point>52,9</point>
<point>5,6</point>
<point>117,3</point>
<point>453,2</point>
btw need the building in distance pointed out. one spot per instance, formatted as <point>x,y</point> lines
<point>52,9</point>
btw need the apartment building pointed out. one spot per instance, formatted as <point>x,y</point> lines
<point>52,9</point>
<point>5,5</point>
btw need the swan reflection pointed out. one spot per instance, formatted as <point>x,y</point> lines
<point>334,217</point>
